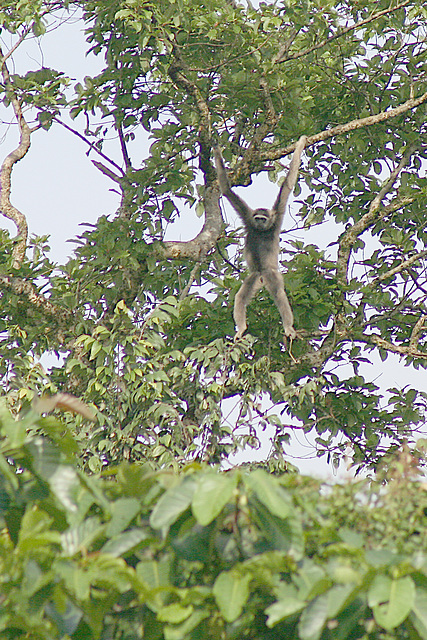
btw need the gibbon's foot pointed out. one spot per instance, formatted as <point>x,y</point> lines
<point>290,333</point>
<point>294,360</point>
<point>238,335</point>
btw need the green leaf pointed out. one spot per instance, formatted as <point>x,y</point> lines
<point>183,630</point>
<point>76,579</point>
<point>62,478</point>
<point>123,511</point>
<point>395,602</point>
<point>213,491</point>
<point>284,535</point>
<point>174,613</point>
<point>418,615</point>
<point>287,604</point>
<point>172,503</point>
<point>313,618</point>
<point>80,537</point>
<point>125,542</point>
<point>231,592</point>
<point>269,492</point>
<point>154,574</point>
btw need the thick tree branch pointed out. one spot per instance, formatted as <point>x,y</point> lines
<point>377,341</point>
<point>275,154</point>
<point>400,267</point>
<point>205,241</point>
<point>21,287</point>
<point>6,207</point>
<point>198,247</point>
<point>416,332</point>
<point>178,73</point>
<point>263,129</point>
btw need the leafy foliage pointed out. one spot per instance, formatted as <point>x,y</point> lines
<point>138,553</point>
<point>141,326</point>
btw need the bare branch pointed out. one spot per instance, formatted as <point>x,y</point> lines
<point>276,154</point>
<point>393,348</point>
<point>263,129</point>
<point>191,279</point>
<point>401,267</point>
<point>90,144</point>
<point>205,241</point>
<point>106,171</point>
<point>416,332</point>
<point>6,207</point>
<point>125,153</point>
<point>177,73</point>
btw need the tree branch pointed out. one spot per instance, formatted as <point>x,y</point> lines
<point>281,56</point>
<point>401,267</point>
<point>377,341</point>
<point>276,154</point>
<point>350,236</point>
<point>205,241</point>
<point>7,208</point>
<point>21,287</point>
<point>90,144</point>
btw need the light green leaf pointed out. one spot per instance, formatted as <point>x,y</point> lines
<point>62,478</point>
<point>124,542</point>
<point>123,511</point>
<point>287,604</point>
<point>183,630</point>
<point>172,503</point>
<point>154,574</point>
<point>313,618</point>
<point>231,591</point>
<point>212,493</point>
<point>174,613</point>
<point>76,579</point>
<point>395,608</point>
<point>337,598</point>
<point>419,612</point>
<point>269,492</point>
<point>81,536</point>
<point>379,591</point>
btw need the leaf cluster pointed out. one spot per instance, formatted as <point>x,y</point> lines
<point>144,554</point>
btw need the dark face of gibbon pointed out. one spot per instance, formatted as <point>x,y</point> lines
<point>263,219</point>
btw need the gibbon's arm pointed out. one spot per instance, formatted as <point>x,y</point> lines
<point>236,201</point>
<point>290,180</point>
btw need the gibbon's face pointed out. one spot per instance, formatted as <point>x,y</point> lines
<point>263,219</point>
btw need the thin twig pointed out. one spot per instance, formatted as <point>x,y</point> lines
<point>90,144</point>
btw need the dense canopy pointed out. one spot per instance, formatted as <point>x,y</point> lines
<point>120,517</point>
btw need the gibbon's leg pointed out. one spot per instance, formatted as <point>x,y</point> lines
<point>273,280</point>
<point>250,286</point>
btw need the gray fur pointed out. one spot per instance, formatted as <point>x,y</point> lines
<point>262,249</point>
